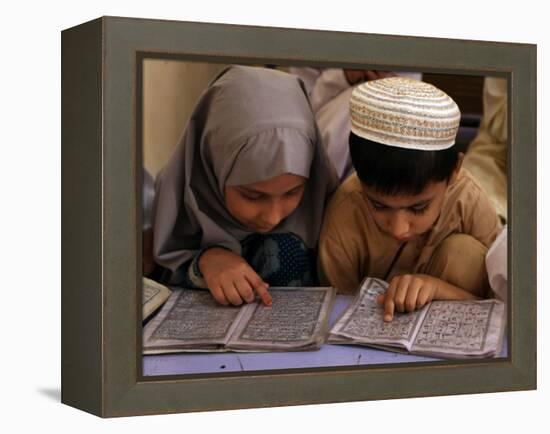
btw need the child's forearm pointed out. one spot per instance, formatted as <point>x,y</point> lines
<point>448,291</point>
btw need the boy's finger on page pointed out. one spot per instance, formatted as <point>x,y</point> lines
<point>389,304</point>
<point>388,309</point>
<point>381,298</point>
<point>401,293</point>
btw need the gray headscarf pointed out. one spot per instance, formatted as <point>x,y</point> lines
<point>250,125</point>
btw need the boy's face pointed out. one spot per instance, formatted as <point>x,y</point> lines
<point>404,217</point>
<point>263,205</point>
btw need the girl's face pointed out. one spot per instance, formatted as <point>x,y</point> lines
<point>261,206</point>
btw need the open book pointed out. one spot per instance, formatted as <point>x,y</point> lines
<point>191,320</point>
<point>445,329</point>
<point>153,296</point>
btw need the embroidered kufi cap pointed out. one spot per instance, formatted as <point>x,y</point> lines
<point>403,112</point>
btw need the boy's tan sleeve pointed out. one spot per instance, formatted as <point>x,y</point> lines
<point>338,264</point>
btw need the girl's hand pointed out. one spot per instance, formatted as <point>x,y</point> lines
<point>230,279</point>
<point>407,293</point>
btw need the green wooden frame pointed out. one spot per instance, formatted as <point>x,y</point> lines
<point>101,180</point>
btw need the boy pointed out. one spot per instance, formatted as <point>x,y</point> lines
<point>409,215</point>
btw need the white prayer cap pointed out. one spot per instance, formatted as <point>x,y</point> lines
<point>403,112</point>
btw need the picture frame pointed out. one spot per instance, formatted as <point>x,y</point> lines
<point>101,237</point>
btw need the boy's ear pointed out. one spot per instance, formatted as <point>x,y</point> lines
<point>456,171</point>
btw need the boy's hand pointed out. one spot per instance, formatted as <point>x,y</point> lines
<point>230,279</point>
<point>407,293</point>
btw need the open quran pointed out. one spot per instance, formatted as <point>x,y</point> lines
<point>191,320</point>
<point>153,296</point>
<point>445,329</point>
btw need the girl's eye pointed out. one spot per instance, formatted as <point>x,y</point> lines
<point>252,196</point>
<point>294,192</point>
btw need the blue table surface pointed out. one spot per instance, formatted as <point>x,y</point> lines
<point>329,355</point>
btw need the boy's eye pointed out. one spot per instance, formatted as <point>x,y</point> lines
<point>419,209</point>
<point>378,205</point>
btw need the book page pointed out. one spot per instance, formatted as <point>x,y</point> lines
<point>297,319</point>
<point>190,319</point>
<point>153,296</point>
<point>472,328</point>
<point>363,322</point>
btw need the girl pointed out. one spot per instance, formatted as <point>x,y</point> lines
<point>239,205</point>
